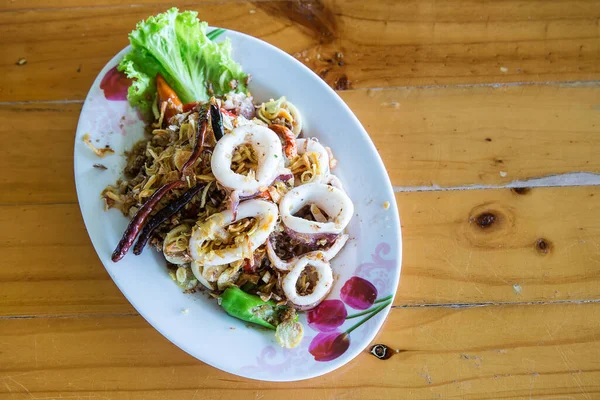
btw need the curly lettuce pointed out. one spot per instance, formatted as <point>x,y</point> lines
<point>176,45</point>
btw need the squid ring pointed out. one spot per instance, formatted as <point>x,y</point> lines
<point>214,228</point>
<point>330,199</point>
<point>268,148</point>
<point>321,289</point>
<point>333,181</point>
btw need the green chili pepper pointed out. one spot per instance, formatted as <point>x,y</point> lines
<point>250,308</point>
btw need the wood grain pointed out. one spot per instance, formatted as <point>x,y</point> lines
<point>500,245</point>
<point>500,291</point>
<point>518,256</point>
<point>509,352</point>
<point>351,44</point>
<point>427,136</point>
<point>37,161</point>
<point>481,135</point>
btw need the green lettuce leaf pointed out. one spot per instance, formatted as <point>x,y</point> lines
<point>175,45</point>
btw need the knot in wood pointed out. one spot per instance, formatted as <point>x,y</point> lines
<point>485,219</point>
<point>381,351</point>
<point>543,246</point>
<point>521,190</point>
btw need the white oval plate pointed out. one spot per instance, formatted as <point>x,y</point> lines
<point>205,331</point>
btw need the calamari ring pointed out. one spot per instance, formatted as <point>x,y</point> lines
<point>333,181</point>
<point>268,149</point>
<point>214,227</point>
<point>330,199</point>
<point>321,289</point>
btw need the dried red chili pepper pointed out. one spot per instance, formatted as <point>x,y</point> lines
<point>216,122</point>
<point>200,136</point>
<point>136,224</point>
<point>163,215</point>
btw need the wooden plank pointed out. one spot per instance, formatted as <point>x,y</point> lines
<point>500,245</point>
<point>536,247</point>
<point>41,5</point>
<point>397,44</point>
<point>511,352</point>
<point>481,135</point>
<point>439,136</point>
<point>37,162</point>
<point>50,265</point>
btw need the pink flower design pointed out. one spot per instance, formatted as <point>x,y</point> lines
<point>358,293</point>
<point>327,346</point>
<point>327,316</point>
<point>115,85</point>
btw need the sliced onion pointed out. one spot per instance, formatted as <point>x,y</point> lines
<point>284,175</point>
<point>297,124</point>
<point>311,240</point>
<point>326,255</point>
<point>234,202</point>
<point>313,146</point>
<point>197,271</point>
<point>179,258</point>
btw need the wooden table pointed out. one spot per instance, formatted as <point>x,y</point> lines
<point>487,116</point>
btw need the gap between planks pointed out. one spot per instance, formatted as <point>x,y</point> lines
<point>566,84</point>
<point>560,180</point>
<point>404,306</point>
<point>571,179</point>
<point>117,6</point>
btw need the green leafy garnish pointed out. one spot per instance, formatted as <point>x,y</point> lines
<point>176,45</point>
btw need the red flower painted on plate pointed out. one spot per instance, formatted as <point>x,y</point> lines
<point>327,346</point>
<point>115,85</point>
<point>358,293</point>
<point>327,316</point>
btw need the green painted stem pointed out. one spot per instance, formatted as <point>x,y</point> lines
<point>371,315</point>
<point>383,299</point>
<point>360,314</point>
<point>370,310</point>
<point>212,35</point>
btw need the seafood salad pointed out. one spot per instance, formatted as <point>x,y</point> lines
<point>241,203</point>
